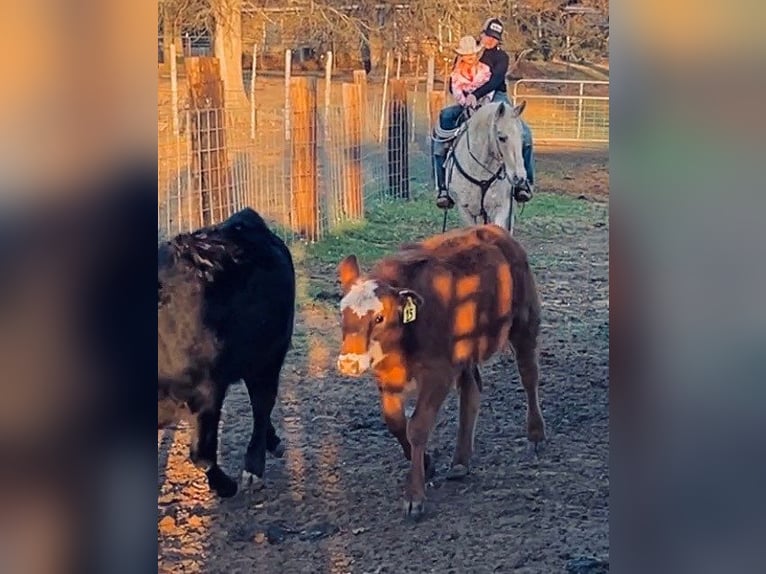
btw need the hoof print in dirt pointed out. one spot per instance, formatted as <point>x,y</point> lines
<point>587,565</point>
<point>275,534</point>
<point>251,482</point>
<point>457,472</point>
<point>278,533</point>
<point>318,531</point>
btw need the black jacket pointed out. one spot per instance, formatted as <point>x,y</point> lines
<point>498,61</point>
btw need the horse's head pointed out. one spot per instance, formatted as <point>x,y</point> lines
<point>506,129</point>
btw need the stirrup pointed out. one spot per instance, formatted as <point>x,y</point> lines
<point>522,192</point>
<point>444,201</point>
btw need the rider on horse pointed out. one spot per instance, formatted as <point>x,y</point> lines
<point>473,84</point>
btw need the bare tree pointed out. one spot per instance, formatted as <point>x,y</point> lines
<point>547,28</point>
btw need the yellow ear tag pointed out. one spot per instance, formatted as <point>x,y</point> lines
<point>409,312</point>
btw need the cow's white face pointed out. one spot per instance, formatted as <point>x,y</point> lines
<point>371,319</point>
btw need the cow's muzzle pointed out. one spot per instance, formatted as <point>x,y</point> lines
<point>352,364</point>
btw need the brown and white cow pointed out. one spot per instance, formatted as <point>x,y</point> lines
<point>423,320</point>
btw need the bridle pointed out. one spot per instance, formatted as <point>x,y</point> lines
<point>494,175</point>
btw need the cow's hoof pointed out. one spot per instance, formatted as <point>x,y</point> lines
<point>279,450</point>
<point>534,449</point>
<point>457,472</point>
<point>251,481</point>
<point>221,483</point>
<point>414,509</point>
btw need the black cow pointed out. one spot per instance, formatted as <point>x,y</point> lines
<point>226,307</point>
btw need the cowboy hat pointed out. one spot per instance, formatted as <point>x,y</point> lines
<point>468,46</point>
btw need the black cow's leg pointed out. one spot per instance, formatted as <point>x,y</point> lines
<point>262,388</point>
<point>273,442</point>
<point>204,449</point>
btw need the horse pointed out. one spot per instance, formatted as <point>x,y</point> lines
<point>485,164</point>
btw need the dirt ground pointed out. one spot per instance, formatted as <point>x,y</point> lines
<point>333,505</point>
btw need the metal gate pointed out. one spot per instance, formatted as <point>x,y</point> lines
<point>565,110</point>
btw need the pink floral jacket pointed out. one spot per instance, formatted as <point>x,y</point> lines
<point>461,83</point>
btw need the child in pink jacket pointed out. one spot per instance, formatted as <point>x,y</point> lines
<point>469,73</point>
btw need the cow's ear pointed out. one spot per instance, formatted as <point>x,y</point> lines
<point>348,272</point>
<point>409,303</point>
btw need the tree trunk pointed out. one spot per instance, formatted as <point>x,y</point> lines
<point>228,50</point>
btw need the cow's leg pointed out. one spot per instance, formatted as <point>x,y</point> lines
<point>273,442</point>
<point>262,388</point>
<point>470,398</point>
<point>392,406</point>
<point>204,447</point>
<point>524,341</point>
<point>433,391</point>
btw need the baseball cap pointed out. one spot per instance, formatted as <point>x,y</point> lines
<point>493,28</point>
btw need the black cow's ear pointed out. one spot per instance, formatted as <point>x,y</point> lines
<point>348,272</point>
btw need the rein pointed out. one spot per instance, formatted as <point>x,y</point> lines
<point>484,184</point>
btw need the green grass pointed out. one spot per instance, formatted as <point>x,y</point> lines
<point>389,223</point>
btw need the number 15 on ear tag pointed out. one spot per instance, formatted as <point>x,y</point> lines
<point>409,312</point>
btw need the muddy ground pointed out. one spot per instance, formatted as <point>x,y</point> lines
<point>332,504</point>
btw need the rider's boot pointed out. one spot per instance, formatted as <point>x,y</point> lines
<point>522,191</point>
<point>443,200</point>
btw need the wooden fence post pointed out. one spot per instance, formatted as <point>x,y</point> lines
<point>436,102</point>
<point>430,82</point>
<point>360,77</point>
<point>210,181</point>
<point>288,75</point>
<point>174,87</point>
<point>398,142</point>
<point>385,97</point>
<point>305,204</point>
<point>353,200</point>
<point>253,72</point>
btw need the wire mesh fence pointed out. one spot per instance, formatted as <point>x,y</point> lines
<point>311,157</point>
<point>306,169</point>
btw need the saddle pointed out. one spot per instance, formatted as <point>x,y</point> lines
<point>448,136</point>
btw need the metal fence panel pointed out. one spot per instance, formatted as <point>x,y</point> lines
<point>565,110</point>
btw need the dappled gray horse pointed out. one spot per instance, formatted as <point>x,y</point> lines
<point>485,163</point>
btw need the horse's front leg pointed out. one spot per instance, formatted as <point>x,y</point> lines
<point>502,214</point>
<point>467,217</point>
